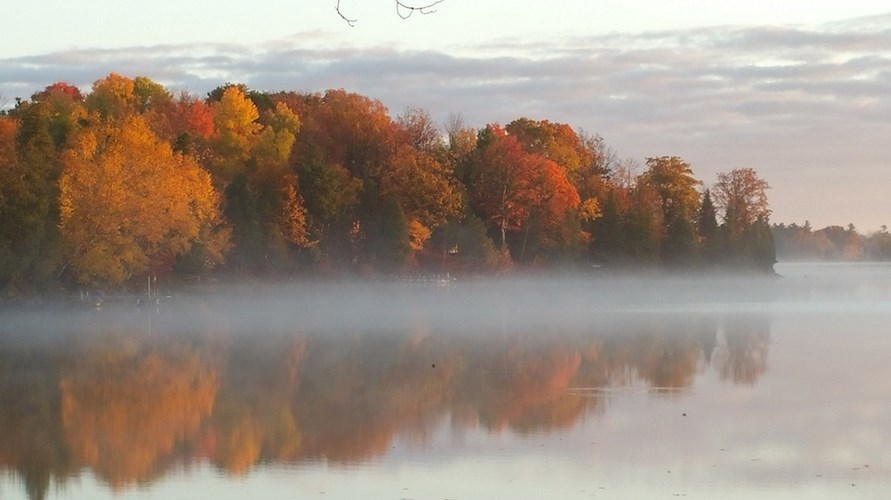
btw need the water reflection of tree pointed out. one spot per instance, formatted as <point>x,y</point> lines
<point>742,356</point>
<point>255,415</point>
<point>664,353</point>
<point>31,440</point>
<point>129,408</point>
<point>126,406</point>
<point>357,396</point>
<point>520,383</point>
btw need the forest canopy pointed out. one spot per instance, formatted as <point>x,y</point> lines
<point>130,180</point>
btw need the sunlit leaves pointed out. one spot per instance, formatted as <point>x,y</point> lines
<point>294,225</point>
<point>512,184</point>
<point>113,97</point>
<point>673,180</point>
<point>504,188</point>
<point>423,186</point>
<point>235,118</point>
<point>128,202</point>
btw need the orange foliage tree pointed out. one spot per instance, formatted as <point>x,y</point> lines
<point>130,203</point>
<point>514,188</point>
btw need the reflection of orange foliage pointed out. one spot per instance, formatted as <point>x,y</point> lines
<point>253,417</point>
<point>128,411</point>
<point>358,400</point>
<point>669,364</point>
<point>561,412</point>
<point>239,447</point>
<point>522,391</point>
<point>124,411</point>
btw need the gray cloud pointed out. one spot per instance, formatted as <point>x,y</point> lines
<point>787,101</point>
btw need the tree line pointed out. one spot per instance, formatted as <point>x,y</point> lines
<point>132,180</point>
<point>831,243</point>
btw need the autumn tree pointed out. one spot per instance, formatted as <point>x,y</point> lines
<point>580,162</point>
<point>554,227</point>
<point>130,204</point>
<point>672,179</point>
<point>516,189</point>
<point>12,194</point>
<point>345,149</point>
<point>462,146</point>
<point>33,135</point>
<point>116,96</point>
<point>185,122</point>
<point>581,158</point>
<point>760,246</point>
<point>275,185</point>
<point>251,159</point>
<point>236,133</point>
<point>504,186</point>
<point>419,131</point>
<point>742,197</point>
<point>423,187</point>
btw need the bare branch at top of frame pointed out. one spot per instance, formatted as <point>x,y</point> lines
<point>351,22</point>
<point>403,10</point>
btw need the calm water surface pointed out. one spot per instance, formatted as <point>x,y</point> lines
<point>585,387</point>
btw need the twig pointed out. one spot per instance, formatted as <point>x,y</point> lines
<point>351,22</point>
<point>405,11</point>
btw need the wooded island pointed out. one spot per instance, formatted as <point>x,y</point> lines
<point>132,180</point>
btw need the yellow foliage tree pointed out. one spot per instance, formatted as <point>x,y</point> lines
<point>129,202</point>
<point>423,188</point>
<point>235,118</point>
<point>293,223</point>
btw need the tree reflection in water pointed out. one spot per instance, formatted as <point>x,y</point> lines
<point>130,407</point>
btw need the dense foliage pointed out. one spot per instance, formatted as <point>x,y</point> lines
<point>132,181</point>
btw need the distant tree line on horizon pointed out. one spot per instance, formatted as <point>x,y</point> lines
<point>832,243</point>
<point>132,181</point>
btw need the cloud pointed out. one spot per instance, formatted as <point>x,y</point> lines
<point>780,99</point>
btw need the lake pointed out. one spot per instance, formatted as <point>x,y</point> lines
<point>575,387</point>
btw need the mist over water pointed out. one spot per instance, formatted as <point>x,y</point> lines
<point>772,386</point>
<point>476,305</point>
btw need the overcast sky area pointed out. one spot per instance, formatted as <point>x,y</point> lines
<point>798,90</point>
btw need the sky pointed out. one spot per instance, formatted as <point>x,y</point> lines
<point>799,90</point>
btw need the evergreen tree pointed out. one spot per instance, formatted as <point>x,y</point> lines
<point>760,245</point>
<point>709,232</point>
<point>609,236</point>
<point>680,247</point>
<point>388,244</point>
